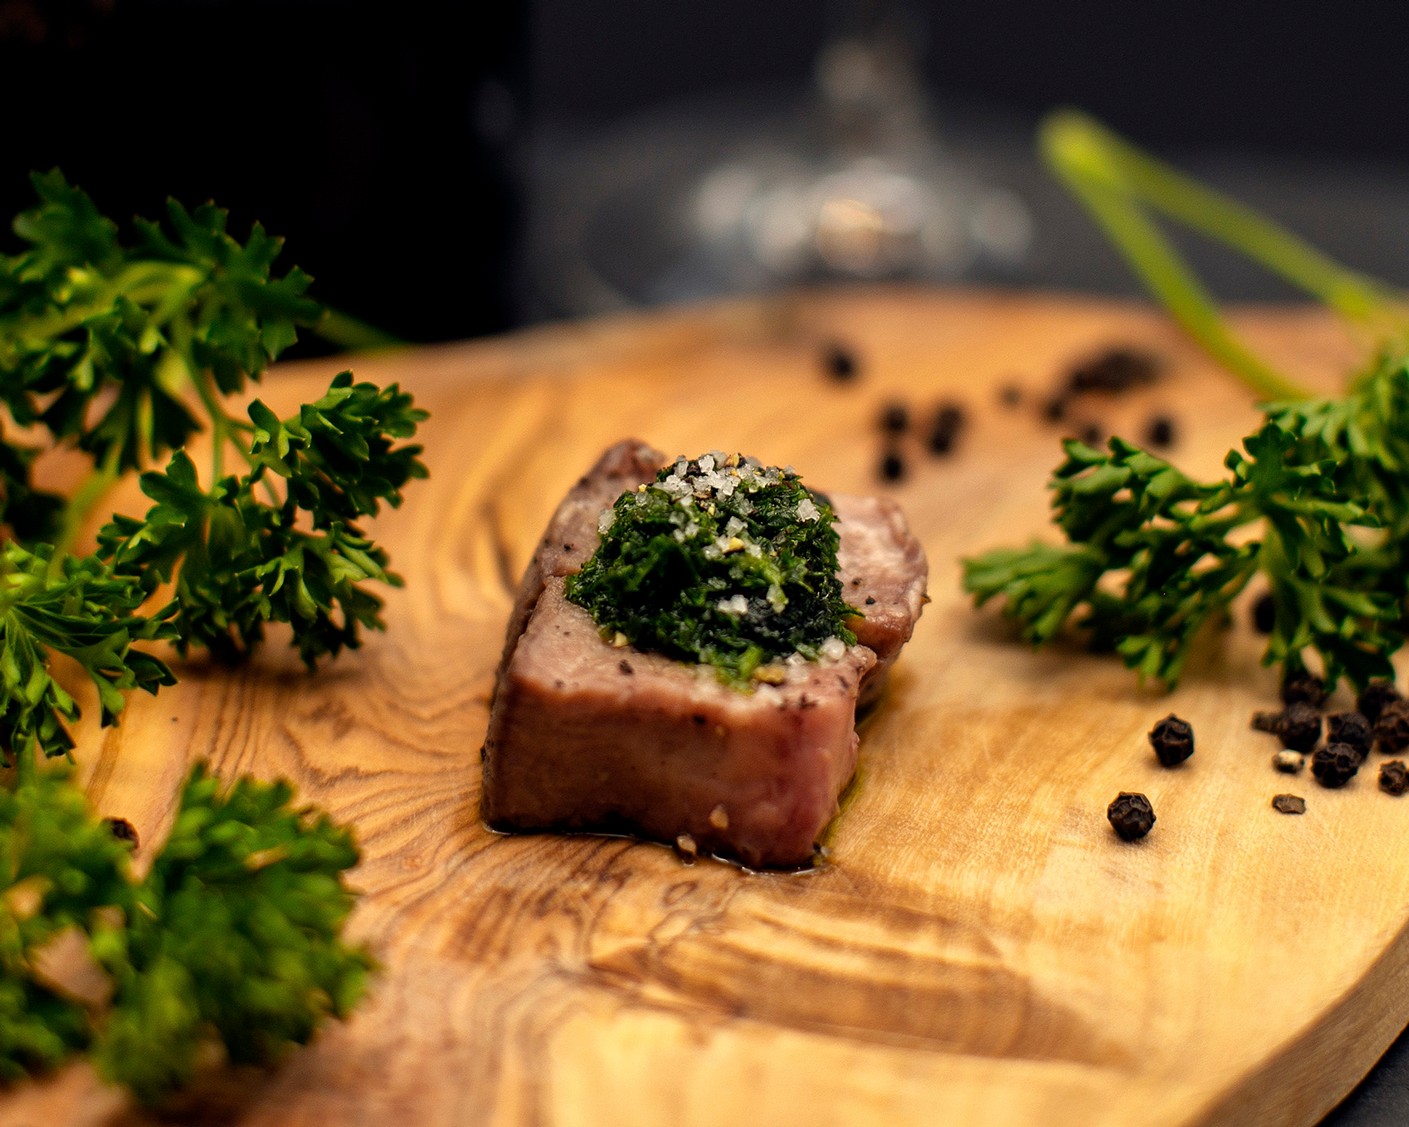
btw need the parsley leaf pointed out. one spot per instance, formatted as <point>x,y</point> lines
<point>235,935</point>
<point>98,340</point>
<point>1315,502</point>
<point>241,561</point>
<point>80,608</point>
<point>115,347</point>
<point>59,868</point>
<point>125,348</point>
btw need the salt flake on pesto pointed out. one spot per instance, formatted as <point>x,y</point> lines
<point>723,561</point>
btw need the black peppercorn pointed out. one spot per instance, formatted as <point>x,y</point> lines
<point>1267,722</point>
<point>944,431</point>
<point>1092,434</point>
<point>1305,687</point>
<point>1159,431</point>
<point>1300,727</point>
<point>1392,727</point>
<point>1374,696</point>
<point>1173,740</point>
<point>123,830</point>
<point>1335,765</point>
<point>1288,804</point>
<point>895,418</point>
<point>1010,395</point>
<point>1264,614</point>
<point>1394,777</point>
<point>1350,728</point>
<point>1117,369</point>
<point>839,362</point>
<point>1055,409</point>
<point>892,466</point>
<point>1131,815</point>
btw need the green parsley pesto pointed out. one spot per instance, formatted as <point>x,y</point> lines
<point>720,560</point>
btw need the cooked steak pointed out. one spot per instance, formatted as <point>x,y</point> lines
<point>585,736</point>
<point>571,535</point>
<point>588,736</point>
<point>883,572</point>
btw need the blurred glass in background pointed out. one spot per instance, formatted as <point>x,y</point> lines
<point>684,151</point>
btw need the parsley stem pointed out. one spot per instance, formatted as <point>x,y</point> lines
<point>346,331</point>
<point>1355,296</point>
<point>221,427</point>
<point>142,283</point>
<point>81,504</point>
<point>1112,178</point>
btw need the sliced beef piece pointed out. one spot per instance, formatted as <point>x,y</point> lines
<point>882,566</point>
<point>883,572</point>
<point>571,535</point>
<point>585,736</point>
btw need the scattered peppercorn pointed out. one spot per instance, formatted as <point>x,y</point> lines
<point>1159,432</point>
<point>1131,815</point>
<point>1267,722</point>
<point>1374,696</point>
<point>1350,728</point>
<point>939,442</point>
<point>1300,727</point>
<point>1289,762</point>
<point>1055,409</point>
<point>1092,434</point>
<point>1288,804</point>
<point>1173,740</point>
<point>1303,686</point>
<point>1392,727</point>
<point>1335,765</point>
<point>895,418</point>
<point>1117,369</point>
<point>892,466</point>
<point>1394,777</point>
<point>839,362</point>
<point>1264,614</point>
<point>1010,395</point>
<point>123,830</point>
<point>949,420</point>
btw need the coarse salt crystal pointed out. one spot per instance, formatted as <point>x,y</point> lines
<point>736,606</point>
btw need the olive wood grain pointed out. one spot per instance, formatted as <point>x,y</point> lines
<point>979,947</point>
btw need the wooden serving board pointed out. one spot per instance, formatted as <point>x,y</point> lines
<point>979,949</point>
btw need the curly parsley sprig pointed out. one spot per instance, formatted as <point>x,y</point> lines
<point>1316,501</point>
<point>240,559</point>
<point>83,610</point>
<point>99,340</point>
<point>232,938</point>
<point>1151,555</point>
<point>124,350</point>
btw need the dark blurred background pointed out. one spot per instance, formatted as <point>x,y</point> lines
<point>449,169</point>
